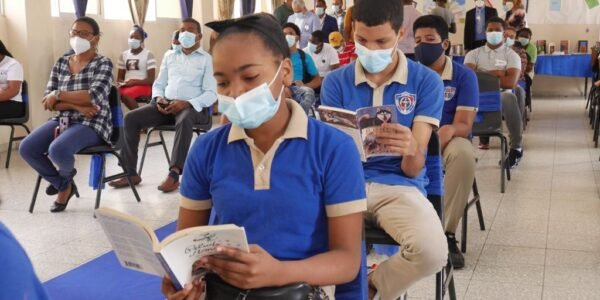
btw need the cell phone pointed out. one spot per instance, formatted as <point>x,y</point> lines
<point>163,105</point>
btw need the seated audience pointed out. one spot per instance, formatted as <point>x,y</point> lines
<point>499,60</point>
<point>303,220</point>
<point>306,21</point>
<point>137,68</point>
<point>17,276</point>
<point>345,49</point>
<point>461,100</point>
<point>383,75</point>
<point>78,90</point>
<point>510,35</point>
<point>182,94</point>
<point>324,55</point>
<point>11,80</point>
<point>306,76</point>
<point>515,14</point>
<point>442,11</point>
<point>328,23</point>
<point>337,7</point>
<point>524,37</point>
<point>283,12</point>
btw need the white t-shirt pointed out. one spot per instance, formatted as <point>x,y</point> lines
<point>136,66</point>
<point>325,59</point>
<point>11,70</point>
<point>487,59</point>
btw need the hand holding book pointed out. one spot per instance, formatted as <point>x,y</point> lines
<point>397,138</point>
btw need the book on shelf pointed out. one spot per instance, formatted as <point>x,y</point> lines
<point>361,125</point>
<point>582,46</point>
<point>541,46</point>
<point>138,248</point>
<point>552,48</point>
<point>564,46</point>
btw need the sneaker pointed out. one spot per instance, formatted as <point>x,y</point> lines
<point>456,256</point>
<point>514,156</point>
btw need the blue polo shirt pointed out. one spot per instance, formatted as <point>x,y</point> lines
<point>311,68</point>
<point>461,90</point>
<point>283,197</point>
<point>415,90</point>
<point>17,275</point>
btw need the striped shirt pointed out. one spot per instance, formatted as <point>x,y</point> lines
<point>348,54</point>
<point>136,66</point>
<point>96,78</point>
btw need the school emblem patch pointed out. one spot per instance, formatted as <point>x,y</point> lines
<point>449,93</point>
<point>406,102</point>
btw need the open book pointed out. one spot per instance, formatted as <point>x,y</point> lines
<point>138,248</point>
<point>361,126</point>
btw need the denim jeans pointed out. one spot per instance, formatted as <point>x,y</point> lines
<point>305,96</point>
<point>40,150</point>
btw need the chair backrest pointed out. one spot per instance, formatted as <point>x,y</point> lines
<point>489,115</point>
<point>25,97</point>
<point>114,100</point>
<point>434,172</point>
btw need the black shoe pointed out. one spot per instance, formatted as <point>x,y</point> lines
<point>51,190</point>
<point>458,260</point>
<point>514,156</point>
<point>58,207</point>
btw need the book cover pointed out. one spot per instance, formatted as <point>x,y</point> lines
<point>582,46</point>
<point>551,48</point>
<point>564,46</point>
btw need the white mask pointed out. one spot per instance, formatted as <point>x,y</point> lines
<point>134,43</point>
<point>291,40</point>
<point>79,45</point>
<point>335,8</point>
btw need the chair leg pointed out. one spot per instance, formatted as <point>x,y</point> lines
<point>35,192</point>
<point>504,164</point>
<point>127,175</point>
<point>478,206</point>
<point>164,145</point>
<point>452,289</point>
<point>439,285</point>
<point>144,152</point>
<point>463,239</point>
<point>10,143</point>
<point>100,181</point>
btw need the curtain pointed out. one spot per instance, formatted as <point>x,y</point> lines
<point>276,3</point>
<point>138,9</point>
<point>226,9</point>
<point>186,8</point>
<point>80,7</point>
<point>248,7</point>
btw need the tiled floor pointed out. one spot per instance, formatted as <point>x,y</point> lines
<point>542,239</point>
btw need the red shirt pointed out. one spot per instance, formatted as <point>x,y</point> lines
<point>348,54</point>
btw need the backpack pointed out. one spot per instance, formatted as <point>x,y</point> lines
<point>306,77</point>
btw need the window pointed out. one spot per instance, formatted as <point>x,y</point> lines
<point>58,7</point>
<point>1,7</point>
<point>237,8</point>
<point>119,10</point>
<point>167,9</point>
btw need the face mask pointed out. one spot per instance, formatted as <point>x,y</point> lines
<point>320,11</point>
<point>375,61</point>
<point>312,47</point>
<point>187,39</point>
<point>291,40</point>
<point>335,8</point>
<point>523,41</point>
<point>427,54</point>
<point>253,108</point>
<point>175,47</point>
<point>508,6</point>
<point>509,42</point>
<point>134,43</point>
<point>79,45</point>
<point>494,38</point>
<point>479,3</point>
<point>299,15</point>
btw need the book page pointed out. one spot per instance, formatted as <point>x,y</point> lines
<point>345,121</point>
<point>132,243</point>
<point>182,251</point>
<point>369,119</point>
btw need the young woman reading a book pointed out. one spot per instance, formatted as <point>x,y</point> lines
<point>296,185</point>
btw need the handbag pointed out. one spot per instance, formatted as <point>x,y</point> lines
<point>218,289</point>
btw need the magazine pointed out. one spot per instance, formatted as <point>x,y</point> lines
<point>361,125</point>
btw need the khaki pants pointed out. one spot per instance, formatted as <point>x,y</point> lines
<point>459,164</point>
<point>410,219</point>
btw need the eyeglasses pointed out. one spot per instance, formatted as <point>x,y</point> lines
<point>81,34</point>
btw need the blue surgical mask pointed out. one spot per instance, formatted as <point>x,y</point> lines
<point>495,37</point>
<point>253,108</point>
<point>335,8</point>
<point>320,11</point>
<point>134,43</point>
<point>509,42</point>
<point>187,39</point>
<point>312,47</point>
<point>176,48</point>
<point>299,15</point>
<point>375,61</point>
<point>523,41</point>
<point>291,40</point>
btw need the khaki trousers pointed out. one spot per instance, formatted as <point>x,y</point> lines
<point>459,165</point>
<point>410,219</point>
